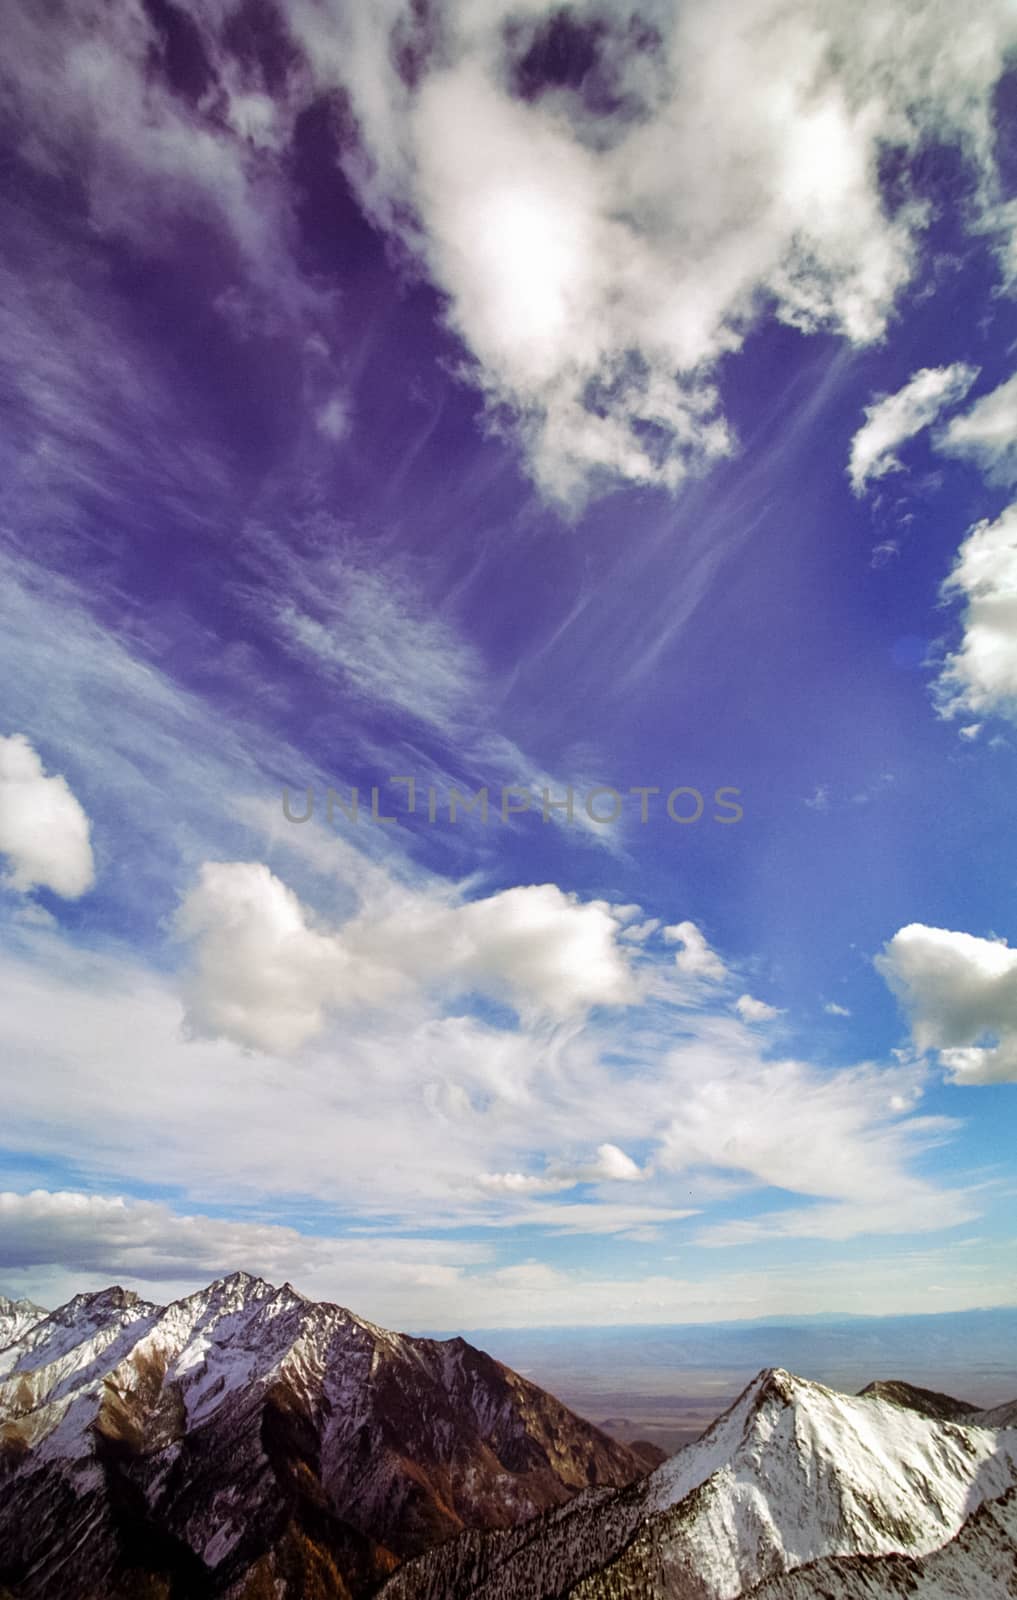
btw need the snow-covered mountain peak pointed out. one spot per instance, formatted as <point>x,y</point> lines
<point>244,1424</point>
<point>792,1474</point>
<point>16,1317</point>
<point>928,1401</point>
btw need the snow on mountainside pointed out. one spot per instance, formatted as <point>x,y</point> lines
<point>792,1474</point>
<point>979,1564</point>
<point>245,1442</point>
<point>16,1317</point>
<point>943,1405</point>
<point>927,1401</point>
<point>1004,1416</point>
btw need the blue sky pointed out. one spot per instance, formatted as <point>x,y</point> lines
<point>532,399</point>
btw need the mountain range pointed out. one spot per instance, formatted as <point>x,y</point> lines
<point>245,1443</point>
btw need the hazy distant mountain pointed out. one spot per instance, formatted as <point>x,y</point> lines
<point>248,1443</point>
<point>944,1349</point>
<point>794,1478</point>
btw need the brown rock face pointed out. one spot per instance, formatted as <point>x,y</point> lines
<point>247,1443</point>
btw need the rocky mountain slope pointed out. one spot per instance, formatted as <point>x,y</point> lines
<point>796,1485</point>
<point>248,1444</point>
<point>980,1563</point>
<point>16,1317</point>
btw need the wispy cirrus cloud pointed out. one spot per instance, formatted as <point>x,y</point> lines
<point>160,120</point>
<point>840,1139</point>
<point>56,1243</point>
<point>442,1119</point>
<point>166,779</point>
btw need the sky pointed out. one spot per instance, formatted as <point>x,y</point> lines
<point>509,655</point>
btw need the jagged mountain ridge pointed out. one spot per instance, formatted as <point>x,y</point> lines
<point>16,1317</point>
<point>792,1476</point>
<point>931,1404</point>
<point>246,1442</point>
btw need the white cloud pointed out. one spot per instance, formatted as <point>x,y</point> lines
<point>832,1009</point>
<point>639,932</point>
<point>614,1165</point>
<point>392,647</point>
<point>960,994</point>
<point>265,977</point>
<point>836,1138</point>
<point>44,832</point>
<point>602,245</point>
<point>695,958</point>
<point>894,419</point>
<point>981,676</point>
<point>89,1240</point>
<point>987,434</point>
<point>751,1010</point>
<point>390,1117</point>
<point>522,1183</point>
<point>55,1244</point>
<point>611,1165</point>
<point>593,1217</point>
<point>393,644</point>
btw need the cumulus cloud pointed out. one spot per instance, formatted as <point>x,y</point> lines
<point>263,976</point>
<point>981,676</point>
<point>832,1009</point>
<point>632,196</point>
<point>892,420</point>
<point>695,958</point>
<point>635,193</point>
<point>266,977</point>
<point>960,995</point>
<point>751,1010</point>
<point>44,832</point>
<point>987,434</point>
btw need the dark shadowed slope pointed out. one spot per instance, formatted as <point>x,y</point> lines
<point>247,1442</point>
